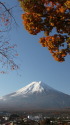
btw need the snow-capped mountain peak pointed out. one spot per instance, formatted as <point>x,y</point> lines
<point>34,87</point>
<point>35,96</point>
<point>38,87</point>
<point>31,88</point>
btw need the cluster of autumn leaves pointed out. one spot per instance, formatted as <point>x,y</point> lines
<point>50,16</point>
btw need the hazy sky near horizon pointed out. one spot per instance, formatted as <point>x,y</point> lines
<point>35,61</point>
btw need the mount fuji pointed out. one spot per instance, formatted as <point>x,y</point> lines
<point>35,96</point>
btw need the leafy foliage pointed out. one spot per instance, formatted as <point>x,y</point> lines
<point>47,15</point>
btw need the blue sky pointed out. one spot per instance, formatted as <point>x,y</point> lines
<point>36,63</point>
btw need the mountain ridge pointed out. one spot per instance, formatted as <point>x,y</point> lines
<point>36,95</point>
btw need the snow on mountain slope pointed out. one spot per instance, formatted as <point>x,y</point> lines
<point>36,95</point>
<point>32,88</point>
<point>38,87</point>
